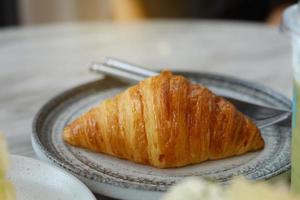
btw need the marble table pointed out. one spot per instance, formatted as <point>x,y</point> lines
<point>37,63</point>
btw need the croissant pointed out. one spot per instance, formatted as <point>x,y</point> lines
<point>165,121</point>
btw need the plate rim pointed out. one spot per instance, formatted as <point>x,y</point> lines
<point>74,90</point>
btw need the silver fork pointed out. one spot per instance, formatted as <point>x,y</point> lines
<point>263,116</point>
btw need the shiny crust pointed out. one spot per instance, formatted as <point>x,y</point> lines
<point>165,121</point>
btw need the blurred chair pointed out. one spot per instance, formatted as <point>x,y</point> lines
<point>8,13</point>
<point>50,11</point>
<point>269,11</point>
<point>45,11</point>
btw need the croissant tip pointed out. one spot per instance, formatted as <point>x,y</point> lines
<point>259,143</point>
<point>67,136</point>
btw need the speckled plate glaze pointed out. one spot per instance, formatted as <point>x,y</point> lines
<point>127,180</point>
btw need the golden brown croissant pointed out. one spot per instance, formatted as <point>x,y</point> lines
<point>165,121</point>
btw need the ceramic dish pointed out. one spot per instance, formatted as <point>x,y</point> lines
<point>34,180</point>
<point>127,180</point>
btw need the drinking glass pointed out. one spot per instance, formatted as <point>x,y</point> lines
<point>291,25</point>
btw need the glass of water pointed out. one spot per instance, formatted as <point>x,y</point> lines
<point>291,24</point>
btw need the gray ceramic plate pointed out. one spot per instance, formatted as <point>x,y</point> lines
<point>123,179</point>
<point>32,183</point>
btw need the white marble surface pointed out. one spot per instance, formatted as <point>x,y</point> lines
<point>38,63</point>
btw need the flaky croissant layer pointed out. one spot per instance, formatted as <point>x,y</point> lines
<point>165,121</point>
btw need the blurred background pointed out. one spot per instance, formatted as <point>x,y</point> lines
<point>34,12</point>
